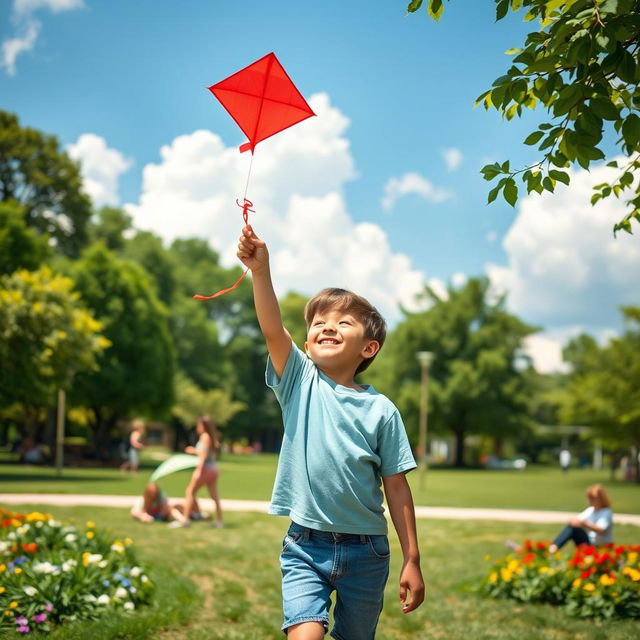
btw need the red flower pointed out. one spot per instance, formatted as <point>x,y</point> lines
<point>30,547</point>
<point>528,558</point>
<point>585,574</point>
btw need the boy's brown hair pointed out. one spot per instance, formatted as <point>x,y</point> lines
<point>375,328</point>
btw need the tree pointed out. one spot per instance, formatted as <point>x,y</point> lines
<point>583,67</point>
<point>110,226</point>
<point>292,309</point>
<point>20,247</point>
<point>36,174</point>
<point>476,385</point>
<point>604,387</point>
<point>47,337</point>
<point>193,402</point>
<point>136,374</point>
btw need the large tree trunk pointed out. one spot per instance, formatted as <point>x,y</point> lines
<point>101,431</point>
<point>459,459</point>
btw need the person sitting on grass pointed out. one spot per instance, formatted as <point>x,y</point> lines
<point>593,526</point>
<point>342,441</point>
<point>154,506</point>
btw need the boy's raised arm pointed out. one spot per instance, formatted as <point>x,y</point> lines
<point>253,253</point>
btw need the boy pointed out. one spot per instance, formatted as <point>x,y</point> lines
<point>341,440</point>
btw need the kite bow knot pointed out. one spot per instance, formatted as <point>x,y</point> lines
<point>246,208</point>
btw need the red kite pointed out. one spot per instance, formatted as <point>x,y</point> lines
<point>262,99</point>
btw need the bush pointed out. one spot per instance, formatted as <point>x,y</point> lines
<point>52,573</point>
<point>595,582</point>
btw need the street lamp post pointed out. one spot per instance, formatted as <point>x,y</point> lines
<point>425,358</point>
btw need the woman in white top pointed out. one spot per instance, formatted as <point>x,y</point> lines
<point>593,526</point>
<point>206,473</point>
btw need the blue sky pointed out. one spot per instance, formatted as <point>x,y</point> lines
<point>396,95</point>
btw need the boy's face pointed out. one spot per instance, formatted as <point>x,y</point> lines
<point>336,341</point>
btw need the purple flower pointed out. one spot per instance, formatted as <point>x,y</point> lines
<point>23,629</point>
<point>21,620</point>
<point>40,617</point>
<point>48,607</point>
<point>20,560</point>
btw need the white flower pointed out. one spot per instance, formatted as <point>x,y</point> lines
<point>129,606</point>
<point>121,593</point>
<point>132,589</point>
<point>4,546</point>
<point>70,537</point>
<point>30,591</point>
<point>23,529</point>
<point>102,564</point>
<point>94,558</point>
<point>70,564</point>
<point>44,567</point>
<point>144,579</point>
<point>90,597</point>
<point>11,535</point>
<point>135,572</point>
<point>39,524</point>
<point>53,523</point>
<point>104,599</point>
<point>118,547</point>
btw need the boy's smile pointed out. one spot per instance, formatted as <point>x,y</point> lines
<point>337,345</point>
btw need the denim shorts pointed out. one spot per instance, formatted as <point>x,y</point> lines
<point>315,563</point>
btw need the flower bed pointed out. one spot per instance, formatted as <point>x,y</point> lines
<point>598,582</point>
<point>52,572</point>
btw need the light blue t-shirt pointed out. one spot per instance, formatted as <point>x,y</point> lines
<point>602,518</point>
<point>338,444</point>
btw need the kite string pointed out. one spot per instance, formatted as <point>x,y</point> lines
<point>246,208</point>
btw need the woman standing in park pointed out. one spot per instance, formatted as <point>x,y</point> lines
<point>206,473</point>
<point>136,445</point>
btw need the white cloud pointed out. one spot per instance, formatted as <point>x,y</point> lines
<point>564,266</point>
<point>412,183</point>
<point>452,158</point>
<point>100,167</point>
<point>297,183</point>
<point>28,29</point>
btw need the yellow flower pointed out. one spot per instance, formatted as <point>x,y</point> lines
<point>589,587</point>
<point>17,571</point>
<point>493,578</point>
<point>3,568</point>
<point>606,580</point>
<point>632,556</point>
<point>2,589</point>
<point>128,541</point>
<point>13,605</point>
<point>85,558</point>
<point>544,569</point>
<point>15,522</point>
<point>588,560</point>
<point>505,574</point>
<point>7,612</point>
<point>90,534</point>
<point>91,524</point>
<point>35,516</point>
<point>576,583</point>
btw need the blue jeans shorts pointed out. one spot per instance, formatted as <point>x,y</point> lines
<point>315,563</point>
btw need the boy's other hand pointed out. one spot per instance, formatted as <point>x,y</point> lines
<point>412,584</point>
<point>252,251</point>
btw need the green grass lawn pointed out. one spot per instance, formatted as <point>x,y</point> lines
<point>251,478</point>
<point>225,584</point>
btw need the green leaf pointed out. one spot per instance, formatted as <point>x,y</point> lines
<point>627,67</point>
<point>532,138</point>
<point>604,108</point>
<point>435,9</point>
<point>493,194</point>
<point>414,5</point>
<point>510,192</point>
<point>501,9</point>
<point>560,176</point>
<point>631,130</point>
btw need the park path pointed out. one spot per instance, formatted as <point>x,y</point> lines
<point>443,513</point>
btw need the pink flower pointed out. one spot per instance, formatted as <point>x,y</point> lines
<point>23,629</point>
<point>48,607</point>
<point>21,621</point>
<point>40,617</point>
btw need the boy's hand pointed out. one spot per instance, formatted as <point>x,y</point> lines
<point>252,251</point>
<point>411,581</point>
